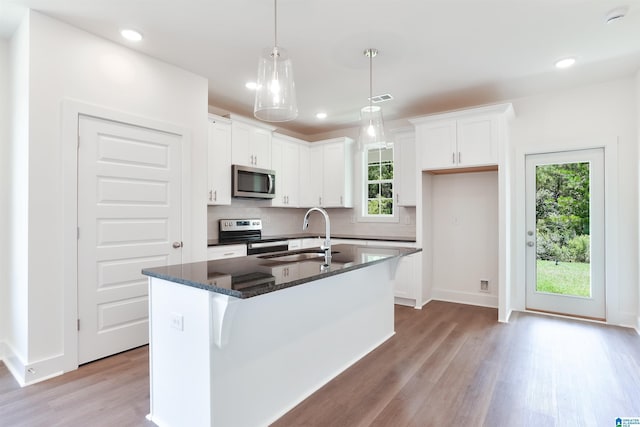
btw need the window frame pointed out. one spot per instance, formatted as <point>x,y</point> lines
<point>363,214</point>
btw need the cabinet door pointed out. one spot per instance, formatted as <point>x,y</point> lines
<point>260,148</point>
<point>277,165</point>
<point>219,163</point>
<point>316,172</point>
<point>405,169</point>
<point>333,183</point>
<point>439,145</point>
<point>405,283</point>
<point>240,136</point>
<point>291,173</point>
<point>307,198</point>
<point>477,141</point>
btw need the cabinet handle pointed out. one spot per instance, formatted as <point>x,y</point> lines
<point>397,198</point>
<point>320,201</point>
<point>228,254</point>
<point>251,161</point>
<point>453,158</point>
<point>459,158</point>
<point>256,159</point>
<point>341,200</point>
<point>215,195</point>
<point>210,196</point>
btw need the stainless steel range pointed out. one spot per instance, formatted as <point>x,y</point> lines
<point>249,231</point>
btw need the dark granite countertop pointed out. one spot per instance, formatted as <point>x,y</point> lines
<point>216,242</point>
<point>254,275</point>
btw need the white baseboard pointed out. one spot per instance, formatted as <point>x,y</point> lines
<point>27,374</point>
<point>408,302</point>
<point>470,298</point>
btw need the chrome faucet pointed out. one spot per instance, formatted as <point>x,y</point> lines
<point>326,246</point>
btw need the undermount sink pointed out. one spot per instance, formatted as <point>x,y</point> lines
<point>304,255</point>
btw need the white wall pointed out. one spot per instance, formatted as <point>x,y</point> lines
<point>464,215</point>
<point>66,63</point>
<point>16,189</point>
<point>638,192</point>
<point>4,187</point>
<point>593,115</point>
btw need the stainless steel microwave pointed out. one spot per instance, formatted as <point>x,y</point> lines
<point>253,182</point>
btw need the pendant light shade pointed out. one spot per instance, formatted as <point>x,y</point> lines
<point>371,123</point>
<point>275,92</point>
<point>371,126</point>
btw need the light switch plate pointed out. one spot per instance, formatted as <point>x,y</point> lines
<point>177,321</point>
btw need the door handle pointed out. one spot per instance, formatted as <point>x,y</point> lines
<point>530,244</point>
<point>177,245</point>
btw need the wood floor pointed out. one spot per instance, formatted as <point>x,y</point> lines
<point>448,364</point>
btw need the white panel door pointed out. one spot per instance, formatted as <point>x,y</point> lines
<point>129,218</point>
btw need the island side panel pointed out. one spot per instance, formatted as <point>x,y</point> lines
<point>283,346</point>
<point>179,354</point>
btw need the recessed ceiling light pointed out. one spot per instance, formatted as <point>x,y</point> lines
<point>131,35</point>
<point>616,14</point>
<point>565,63</point>
<point>251,85</point>
<point>321,116</point>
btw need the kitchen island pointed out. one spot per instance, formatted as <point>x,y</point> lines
<point>240,342</point>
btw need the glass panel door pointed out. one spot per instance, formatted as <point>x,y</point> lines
<point>565,233</point>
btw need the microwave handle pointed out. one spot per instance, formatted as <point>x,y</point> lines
<point>270,184</point>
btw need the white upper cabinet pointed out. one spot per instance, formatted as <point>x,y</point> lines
<point>462,139</point>
<point>329,174</point>
<point>251,143</point>
<point>337,173</point>
<point>405,170</point>
<point>219,161</point>
<point>285,161</point>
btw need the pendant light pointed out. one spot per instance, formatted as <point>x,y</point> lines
<point>371,123</point>
<point>275,92</point>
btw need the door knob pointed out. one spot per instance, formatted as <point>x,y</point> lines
<point>177,245</point>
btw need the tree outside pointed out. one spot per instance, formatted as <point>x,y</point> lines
<point>562,224</point>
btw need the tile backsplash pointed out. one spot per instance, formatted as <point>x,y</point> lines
<point>276,221</point>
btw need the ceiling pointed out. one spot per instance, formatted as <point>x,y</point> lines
<point>435,55</point>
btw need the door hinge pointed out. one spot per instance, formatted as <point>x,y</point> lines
<point>78,324</point>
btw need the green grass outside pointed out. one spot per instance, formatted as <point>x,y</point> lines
<point>566,278</point>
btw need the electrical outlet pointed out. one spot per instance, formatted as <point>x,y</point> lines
<point>484,286</point>
<point>177,321</point>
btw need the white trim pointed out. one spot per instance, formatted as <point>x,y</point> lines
<point>71,112</point>
<point>610,146</point>
<point>361,184</point>
<point>461,297</point>
<point>638,325</point>
<point>31,373</point>
<point>489,110</point>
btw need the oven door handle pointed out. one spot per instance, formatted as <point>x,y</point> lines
<point>266,244</point>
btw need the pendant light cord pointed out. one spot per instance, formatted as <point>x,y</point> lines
<point>275,23</point>
<point>370,80</point>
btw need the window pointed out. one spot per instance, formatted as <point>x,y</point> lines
<point>379,183</point>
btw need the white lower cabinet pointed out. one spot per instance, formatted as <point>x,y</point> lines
<point>226,251</point>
